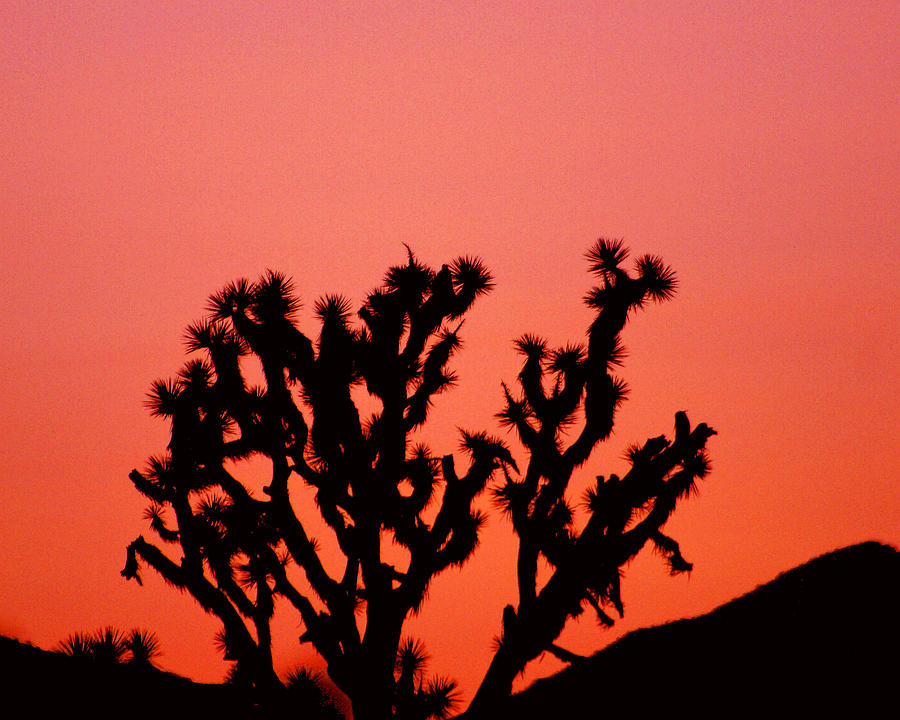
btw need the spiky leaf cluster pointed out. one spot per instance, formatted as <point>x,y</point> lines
<point>111,646</point>
<point>417,697</point>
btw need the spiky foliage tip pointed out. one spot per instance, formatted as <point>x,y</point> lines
<point>605,256</point>
<point>658,279</point>
<point>273,298</point>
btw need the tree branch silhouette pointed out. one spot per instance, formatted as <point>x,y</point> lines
<point>557,390</point>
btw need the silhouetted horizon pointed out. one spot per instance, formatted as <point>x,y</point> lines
<point>756,647</point>
<point>820,637</point>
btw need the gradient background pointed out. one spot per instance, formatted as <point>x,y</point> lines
<point>152,152</point>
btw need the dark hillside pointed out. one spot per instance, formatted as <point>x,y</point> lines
<point>43,684</point>
<point>818,638</point>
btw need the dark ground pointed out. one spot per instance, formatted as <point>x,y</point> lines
<point>821,639</point>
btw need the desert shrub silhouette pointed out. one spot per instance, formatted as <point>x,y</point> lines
<point>111,646</point>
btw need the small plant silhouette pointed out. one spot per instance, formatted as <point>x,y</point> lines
<point>110,646</point>
<point>418,697</point>
<point>306,689</point>
<point>143,647</point>
<point>77,645</point>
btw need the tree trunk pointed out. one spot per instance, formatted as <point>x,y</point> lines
<point>372,691</point>
<point>497,683</point>
<point>373,685</point>
<point>526,635</point>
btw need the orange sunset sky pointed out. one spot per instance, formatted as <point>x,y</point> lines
<point>151,152</point>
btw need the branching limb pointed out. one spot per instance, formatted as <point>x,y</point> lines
<point>565,655</point>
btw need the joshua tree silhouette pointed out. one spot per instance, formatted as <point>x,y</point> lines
<point>238,549</point>
<point>557,388</point>
<point>374,488</point>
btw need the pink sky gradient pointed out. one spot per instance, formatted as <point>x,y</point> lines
<point>152,152</point>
